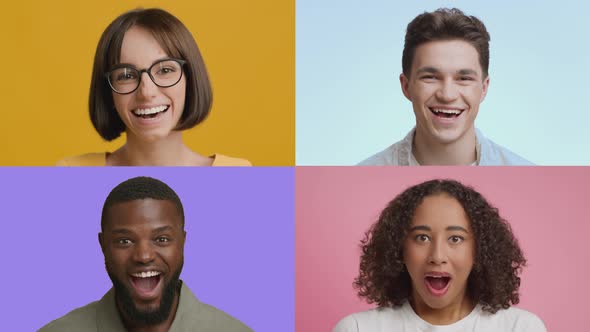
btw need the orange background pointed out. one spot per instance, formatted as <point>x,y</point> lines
<point>47,54</point>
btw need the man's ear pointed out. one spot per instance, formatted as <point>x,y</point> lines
<point>405,82</point>
<point>101,242</point>
<point>484,92</point>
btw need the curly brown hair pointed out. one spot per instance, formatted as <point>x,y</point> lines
<point>493,281</point>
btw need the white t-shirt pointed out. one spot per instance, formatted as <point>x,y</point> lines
<point>404,319</point>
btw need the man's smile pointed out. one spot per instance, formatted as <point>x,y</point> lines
<point>446,112</point>
<point>147,285</point>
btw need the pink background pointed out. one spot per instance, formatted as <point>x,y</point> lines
<point>548,208</point>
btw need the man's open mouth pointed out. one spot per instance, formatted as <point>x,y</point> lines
<point>145,283</point>
<point>446,113</point>
<point>149,113</point>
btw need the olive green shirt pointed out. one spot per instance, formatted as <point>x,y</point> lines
<point>191,315</point>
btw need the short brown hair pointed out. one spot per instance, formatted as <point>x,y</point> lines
<point>176,41</point>
<point>446,24</point>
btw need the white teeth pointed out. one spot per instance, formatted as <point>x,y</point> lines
<point>446,111</point>
<point>146,274</point>
<point>153,110</point>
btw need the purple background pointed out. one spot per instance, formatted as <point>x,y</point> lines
<point>239,253</point>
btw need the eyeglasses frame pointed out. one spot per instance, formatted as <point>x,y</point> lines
<point>145,70</point>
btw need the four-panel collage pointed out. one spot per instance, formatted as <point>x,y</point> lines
<point>347,193</point>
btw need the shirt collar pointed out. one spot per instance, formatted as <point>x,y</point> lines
<point>107,315</point>
<point>408,158</point>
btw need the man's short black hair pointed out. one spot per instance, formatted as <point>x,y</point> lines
<point>141,187</point>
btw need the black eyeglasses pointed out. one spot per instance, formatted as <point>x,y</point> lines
<point>125,79</point>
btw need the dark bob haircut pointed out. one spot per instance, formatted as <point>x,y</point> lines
<point>141,187</point>
<point>493,281</point>
<point>446,24</point>
<point>176,41</point>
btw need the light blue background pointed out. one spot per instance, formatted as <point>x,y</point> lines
<point>350,104</point>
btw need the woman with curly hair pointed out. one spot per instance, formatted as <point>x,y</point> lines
<point>440,258</point>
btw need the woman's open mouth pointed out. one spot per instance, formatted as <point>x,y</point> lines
<point>150,113</point>
<point>437,285</point>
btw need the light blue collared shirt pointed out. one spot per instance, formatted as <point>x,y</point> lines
<point>488,154</point>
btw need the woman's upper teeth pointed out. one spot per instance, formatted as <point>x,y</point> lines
<point>145,111</point>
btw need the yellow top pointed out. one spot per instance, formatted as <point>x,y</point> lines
<point>100,159</point>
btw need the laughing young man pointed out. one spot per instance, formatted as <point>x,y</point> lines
<point>142,239</point>
<point>445,76</point>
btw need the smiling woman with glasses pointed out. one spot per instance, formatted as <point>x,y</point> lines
<point>149,81</point>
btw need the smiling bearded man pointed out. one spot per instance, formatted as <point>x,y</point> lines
<point>142,238</point>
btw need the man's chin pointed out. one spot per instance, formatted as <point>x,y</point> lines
<point>447,139</point>
<point>147,308</point>
<point>448,136</point>
<point>146,314</point>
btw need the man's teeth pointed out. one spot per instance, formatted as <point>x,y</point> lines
<point>446,111</point>
<point>148,274</point>
<point>147,111</point>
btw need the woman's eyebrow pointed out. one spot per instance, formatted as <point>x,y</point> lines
<point>125,64</point>
<point>427,228</point>
<point>420,228</point>
<point>162,59</point>
<point>457,228</point>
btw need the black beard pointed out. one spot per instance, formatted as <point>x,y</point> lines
<point>137,317</point>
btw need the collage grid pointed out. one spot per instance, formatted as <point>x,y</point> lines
<point>332,224</point>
